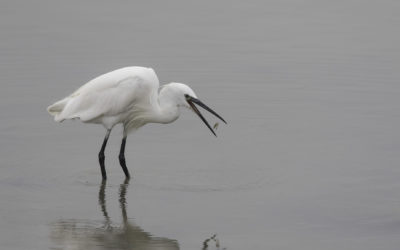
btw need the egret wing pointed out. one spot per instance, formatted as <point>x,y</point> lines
<point>108,95</point>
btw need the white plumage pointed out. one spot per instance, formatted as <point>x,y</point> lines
<point>130,96</point>
<point>109,98</point>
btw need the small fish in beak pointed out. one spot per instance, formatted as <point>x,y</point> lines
<point>216,126</point>
<point>191,101</point>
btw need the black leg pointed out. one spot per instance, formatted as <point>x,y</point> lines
<point>102,157</point>
<point>122,158</point>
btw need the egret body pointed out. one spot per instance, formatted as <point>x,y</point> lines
<point>131,96</point>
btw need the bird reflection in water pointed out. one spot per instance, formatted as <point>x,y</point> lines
<point>78,234</point>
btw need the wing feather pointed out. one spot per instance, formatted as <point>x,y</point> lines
<point>108,95</point>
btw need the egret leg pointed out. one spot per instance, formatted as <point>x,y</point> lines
<point>102,157</point>
<point>122,158</point>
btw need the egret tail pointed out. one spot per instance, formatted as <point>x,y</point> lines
<point>56,108</point>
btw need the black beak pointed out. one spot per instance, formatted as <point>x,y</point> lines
<point>192,100</point>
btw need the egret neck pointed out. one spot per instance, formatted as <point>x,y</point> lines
<point>167,107</point>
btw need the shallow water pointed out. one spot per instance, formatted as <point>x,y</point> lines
<point>309,160</point>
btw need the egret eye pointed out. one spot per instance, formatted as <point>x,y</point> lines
<point>187,97</point>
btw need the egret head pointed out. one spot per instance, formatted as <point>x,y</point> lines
<point>176,93</point>
<point>185,97</point>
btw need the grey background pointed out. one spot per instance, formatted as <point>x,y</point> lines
<point>309,160</point>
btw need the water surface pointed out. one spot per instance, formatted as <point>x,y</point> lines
<point>309,160</point>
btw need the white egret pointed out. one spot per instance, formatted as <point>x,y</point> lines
<point>131,96</point>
